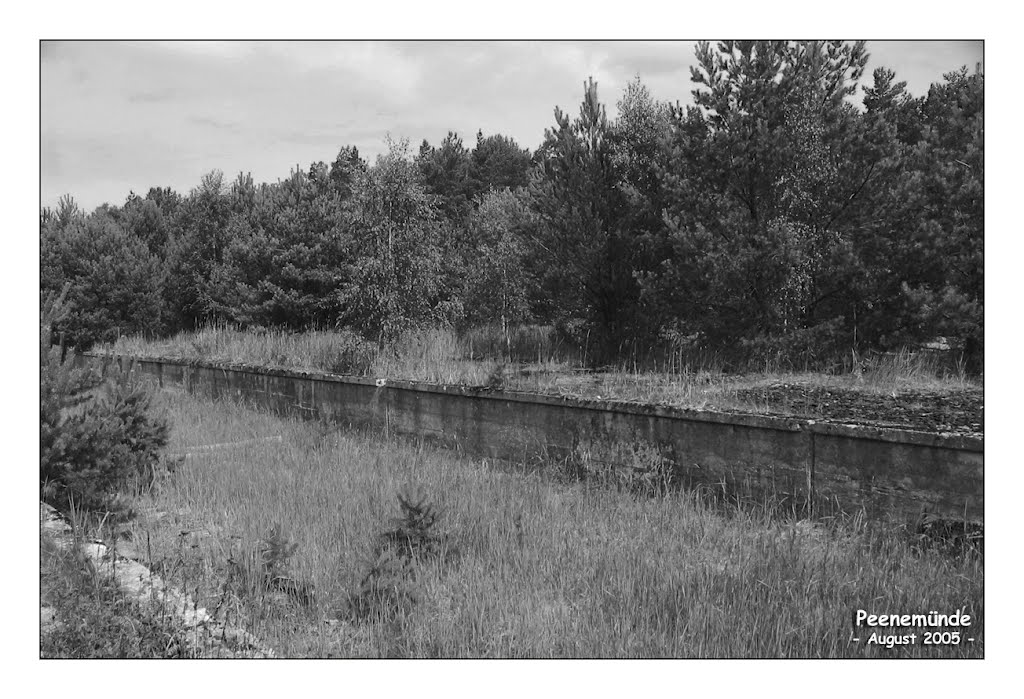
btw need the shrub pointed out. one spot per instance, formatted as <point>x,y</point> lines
<point>389,587</point>
<point>523,343</point>
<point>414,535</point>
<point>387,591</point>
<point>96,435</point>
<point>343,352</point>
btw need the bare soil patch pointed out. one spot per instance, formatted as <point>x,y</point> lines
<point>957,412</point>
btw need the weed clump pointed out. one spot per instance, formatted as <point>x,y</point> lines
<point>276,551</point>
<point>93,618</point>
<point>414,533</point>
<point>389,587</point>
<point>638,469</point>
<point>951,537</point>
<point>261,573</point>
<point>387,591</point>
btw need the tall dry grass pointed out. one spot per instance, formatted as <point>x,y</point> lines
<point>533,565</point>
<point>474,359</point>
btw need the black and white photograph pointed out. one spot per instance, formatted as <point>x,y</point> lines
<point>511,349</point>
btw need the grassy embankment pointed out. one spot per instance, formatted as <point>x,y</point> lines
<point>520,562</point>
<point>442,357</point>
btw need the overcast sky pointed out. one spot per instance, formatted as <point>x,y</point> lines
<point>120,116</point>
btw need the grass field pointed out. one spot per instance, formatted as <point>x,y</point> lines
<point>295,532</point>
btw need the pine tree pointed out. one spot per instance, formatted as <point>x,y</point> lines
<point>760,179</point>
<point>577,196</point>
<point>94,436</point>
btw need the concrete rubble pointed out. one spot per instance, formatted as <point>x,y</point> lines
<point>210,638</point>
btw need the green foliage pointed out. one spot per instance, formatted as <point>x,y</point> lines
<point>389,589</point>
<point>94,619</point>
<point>348,354</point>
<point>146,221</point>
<point>501,282</point>
<point>89,454</point>
<point>638,138</point>
<point>289,262</point>
<point>577,197</point>
<point>497,162</point>
<point>399,279</point>
<point>96,436</point>
<point>762,182</point>
<point>195,255</point>
<point>413,535</point>
<point>916,266</point>
<point>276,551</point>
<point>639,130</point>
<point>345,171</point>
<point>638,469</point>
<point>798,226</point>
<point>445,174</point>
<point>114,281</point>
<point>772,221</point>
<point>944,196</point>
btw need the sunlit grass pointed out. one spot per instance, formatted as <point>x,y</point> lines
<point>535,565</point>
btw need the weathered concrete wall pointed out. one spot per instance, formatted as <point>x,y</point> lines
<point>884,471</point>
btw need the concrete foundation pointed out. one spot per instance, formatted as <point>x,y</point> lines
<point>839,467</point>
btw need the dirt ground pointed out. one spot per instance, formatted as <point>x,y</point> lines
<point>958,412</point>
<point>929,406</point>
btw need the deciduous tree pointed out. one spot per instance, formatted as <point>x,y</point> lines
<point>399,280</point>
<point>501,283</point>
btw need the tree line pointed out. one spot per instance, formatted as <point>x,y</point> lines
<point>783,214</point>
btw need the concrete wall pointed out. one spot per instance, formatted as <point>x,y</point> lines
<point>841,466</point>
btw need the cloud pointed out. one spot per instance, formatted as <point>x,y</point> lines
<point>154,96</point>
<point>162,113</point>
<point>921,63</point>
<point>201,49</point>
<point>367,66</point>
<point>212,123</point>
<point>650,60</point>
